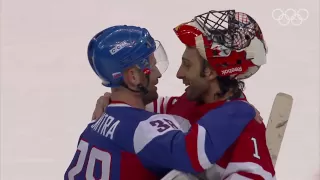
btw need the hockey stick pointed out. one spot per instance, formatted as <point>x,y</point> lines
<point>277,123</point>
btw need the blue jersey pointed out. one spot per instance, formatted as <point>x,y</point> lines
<point>130,143</point>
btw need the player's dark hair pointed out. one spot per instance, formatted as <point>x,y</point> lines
<point>226,84</point>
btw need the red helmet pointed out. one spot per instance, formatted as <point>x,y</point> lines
<point>230,41</point>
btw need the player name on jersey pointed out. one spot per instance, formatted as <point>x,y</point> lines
<point>106,125</point>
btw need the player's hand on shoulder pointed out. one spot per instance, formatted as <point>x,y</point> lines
<point>258,117</point>
<point>101,104</point>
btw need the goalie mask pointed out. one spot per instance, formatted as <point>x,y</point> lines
<point>230,41</point>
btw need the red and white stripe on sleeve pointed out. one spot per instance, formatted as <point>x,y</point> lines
<point>249,157</point>
<point>247,171</point>
<point>161,104</point>
<point>195,145</point>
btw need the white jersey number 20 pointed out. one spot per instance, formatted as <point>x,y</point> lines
<point>94,154</point>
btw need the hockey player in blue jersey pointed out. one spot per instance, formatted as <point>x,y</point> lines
<point>127,142</point>
<point>124,57</point>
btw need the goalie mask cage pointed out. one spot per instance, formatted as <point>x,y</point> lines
<point>232,29</point>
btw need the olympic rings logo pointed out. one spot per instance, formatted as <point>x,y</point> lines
<point>290,16</point>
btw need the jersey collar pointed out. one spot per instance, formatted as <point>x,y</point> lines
<point>204,108</point>
<point>118,104</point>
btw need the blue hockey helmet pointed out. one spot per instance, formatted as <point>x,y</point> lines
<point>113,50</point>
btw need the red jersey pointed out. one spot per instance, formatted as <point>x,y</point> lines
<point>247,158</point>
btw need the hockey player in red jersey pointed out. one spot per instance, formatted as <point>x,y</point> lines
<point>222,48</point>
<point>233,61</point>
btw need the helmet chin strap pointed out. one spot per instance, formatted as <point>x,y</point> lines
<point>142,89</point>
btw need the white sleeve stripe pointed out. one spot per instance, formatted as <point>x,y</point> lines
<point>202,156</point>
<point>165,104</point>
<point>249,167</point>
<point>159,102</point>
